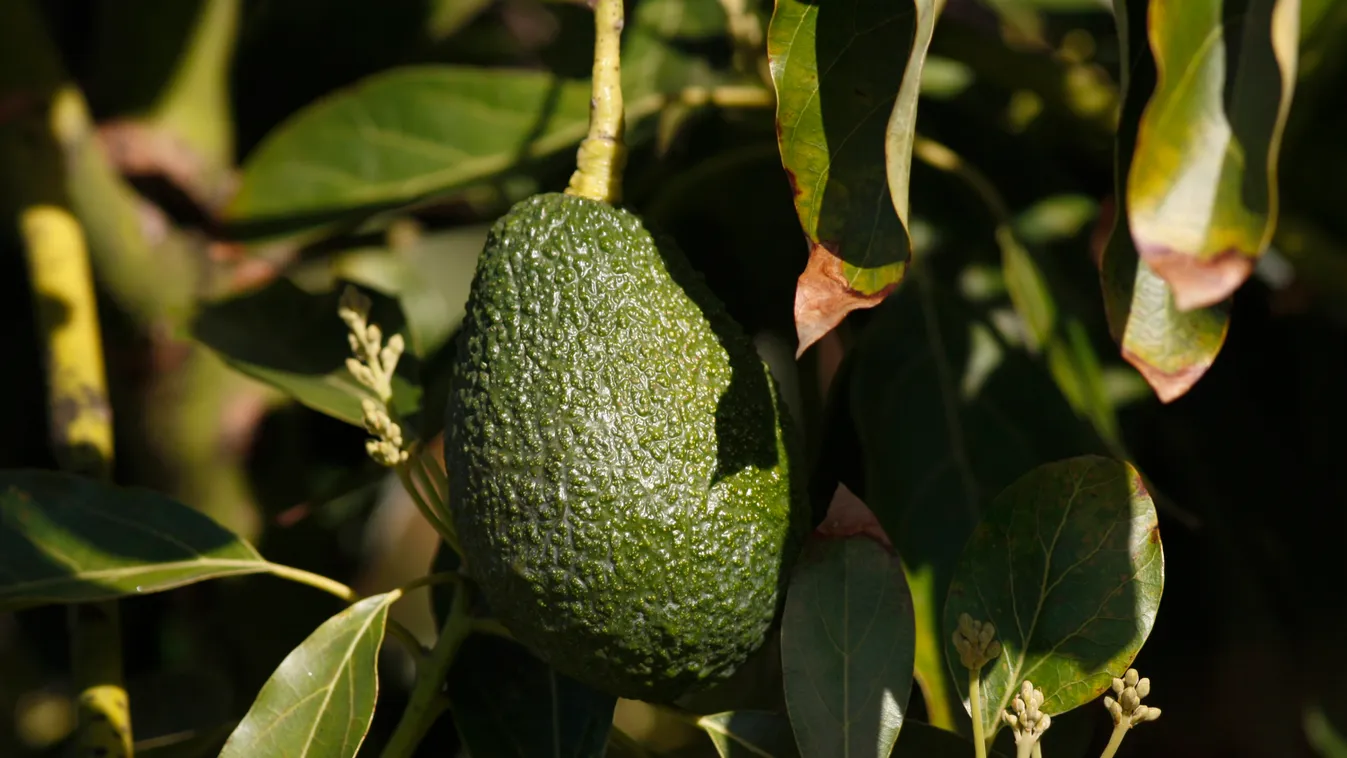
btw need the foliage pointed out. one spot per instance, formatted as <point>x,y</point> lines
<point>1036,278</point>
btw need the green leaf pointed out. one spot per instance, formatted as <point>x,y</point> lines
<point>848,76</point>
<point>508,703</point>
<point>948,413</point>
<point>320,700</point>
<point>847,641</point>
<point>1202,188</point>
<point>400,136</point>
<point>68,539</point>
<point>1068,566</point>
<point>1170,347</point>
<point>294,341</point>
<point>417,132</point>
<point>750,734</point>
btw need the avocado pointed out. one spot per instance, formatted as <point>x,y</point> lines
<point>621,468</point>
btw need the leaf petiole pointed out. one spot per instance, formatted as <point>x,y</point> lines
<point>317,581</point>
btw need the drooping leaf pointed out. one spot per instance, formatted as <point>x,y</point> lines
<point>1068,566</point>
<point>847,77</point>
<point>294,341</point>
<point>750,734</point>
<point>508,704</point>
<point>68,539</point>
<point>1202,188</point>
<point>846,648</point>
<point>1171,348</point>
<point>947,414</point>
<point>320,700</point>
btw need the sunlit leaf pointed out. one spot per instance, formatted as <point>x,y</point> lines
<point>1068,566</point>
<point>846,648</point>
<point>508,704</point>
<point>1170,347</point>
<point>66,539</point>
<point>294,341</point>
<point>320,700</point>
<point>847,78</point>
<point>750,734</point>
<point>1202,188</point>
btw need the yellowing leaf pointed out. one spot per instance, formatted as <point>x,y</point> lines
<point>1202,188</point>
<point>1170,347</point>
<point>847,77</point>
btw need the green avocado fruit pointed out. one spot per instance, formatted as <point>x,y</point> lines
<point>620,463</point>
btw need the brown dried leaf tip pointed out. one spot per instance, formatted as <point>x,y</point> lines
<point>823,297</point>
<point>1198,282</point>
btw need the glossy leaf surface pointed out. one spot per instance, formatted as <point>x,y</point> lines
<point>67,539</point>
<point>750,734</point>
<point>1202,188</point>
<point>1170,347</point>
<point>847,77</point>
<point>320,700</point>
<point>1068,566</point>
<point>294,341</point>
<point>509,704</point>
<point>847,641</point>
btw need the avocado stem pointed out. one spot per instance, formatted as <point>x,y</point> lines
<point>602,155</point>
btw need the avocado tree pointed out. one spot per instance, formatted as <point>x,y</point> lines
<point>662,378</point>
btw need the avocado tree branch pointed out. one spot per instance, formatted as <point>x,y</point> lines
<point>602,155</point>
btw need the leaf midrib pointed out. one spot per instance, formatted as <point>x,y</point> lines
<point>114,574</point>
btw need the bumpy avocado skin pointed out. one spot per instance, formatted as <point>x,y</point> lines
<point>619,461</point>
